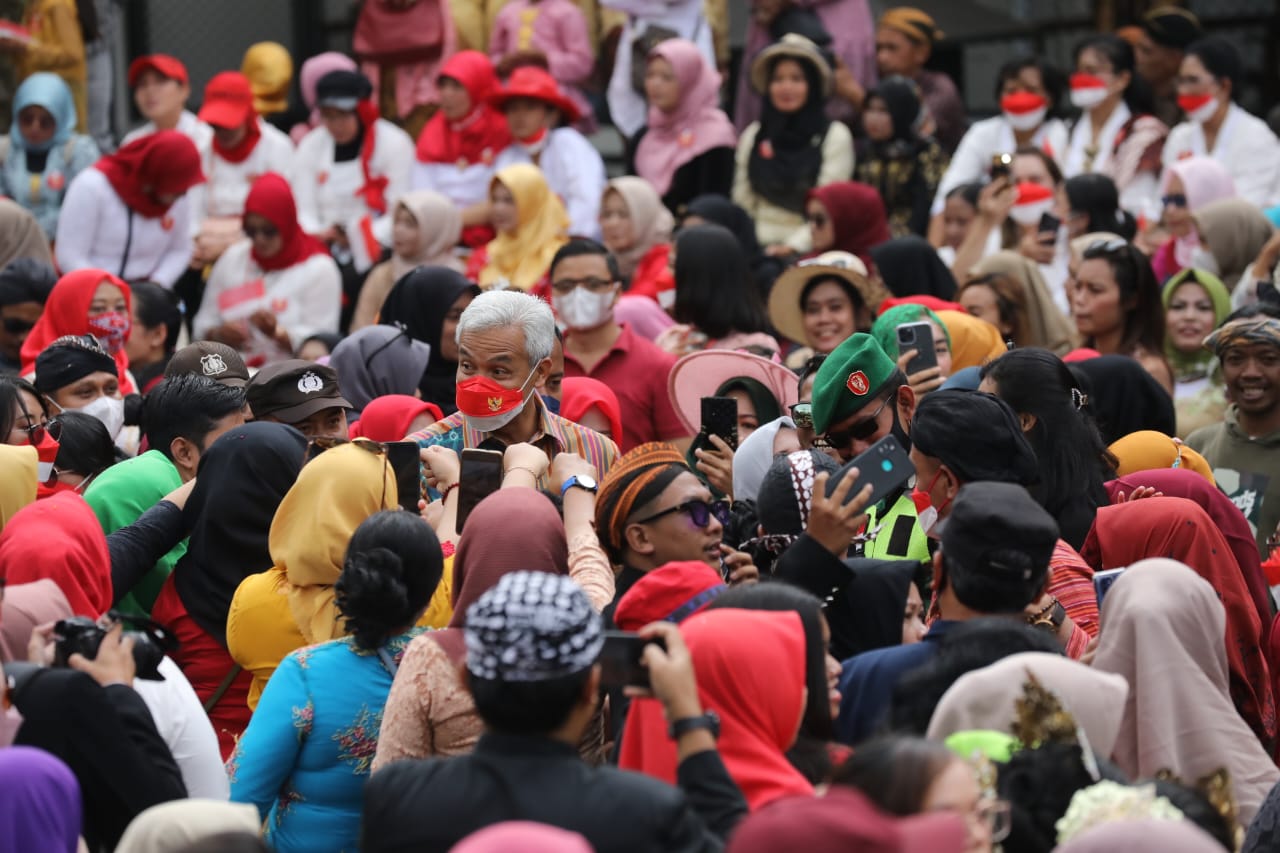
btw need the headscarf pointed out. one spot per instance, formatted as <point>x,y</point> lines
<point>171,827</point>
<point>902,101</point>
<point>877,600</point>
<point>1143,836</point>
<point>66,312</point>
<point>582,393</point>
<point>1204,181</point>
<point>525,836</point>
<point>41,809</point>
<point>910,266</point>
<point>242,479</point>
<point>335,492</point>
<point>1244,331</point>
<point>646,469</point>
<point>974,341</point>
<point>1124,398</point>
<point>1147,449</point>
<point>439,229</point>
<point>885,328</point>
<point>388,418</point>
<point>858,219</point>
<point>1163,632</point>
<point>59,538</point>
<point>26,606</point>
<point>695,126</point>
<point>378,360</point>
<point>21,235</point>
<point>751,670</point>
<point>754,457</point>
<point>786,158</point>
<point>48,90</point>
<point>162,163</point>
<point>1236,230</point>
<point>651,222</point>
<point>269,68</point>
<point>1179,529</point>
<point>1047,327</point>
<point>987,698</point>
<point>18,473</point>
<point>271,198</point>
<point>315,68</point>
<point>522,257</point>
<point>1192,365</point>
<point>419,302</point>
<point>481,135</point>
<point>512,530</point>
<point>670,593</point>
<point>719,210</point>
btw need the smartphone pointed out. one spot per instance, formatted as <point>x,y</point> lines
<point>405,460</point>
<point>885,465</point>
<point>918,337</point>
<point>480,477</point>
<point>720,417</point>
<point>620,664</point>
<point>1049,224</point>
<point>1001,165</point>
<point>1102,582</point>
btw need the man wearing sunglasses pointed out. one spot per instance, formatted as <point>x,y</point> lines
<point>24,287</point>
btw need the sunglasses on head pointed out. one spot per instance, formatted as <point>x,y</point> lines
<point>321,443</point>
<point>700,512</point>
<point>1174,200</point>
<point>860,431</point>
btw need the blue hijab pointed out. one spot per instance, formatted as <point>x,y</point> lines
<point>47,90</point>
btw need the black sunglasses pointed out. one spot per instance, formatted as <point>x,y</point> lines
<point>36,432</point>
<point>321,443</point>
<point>700,512</point>
<point>1174,200</point>
<point>17,325</point>
<point>860,431</point>
<point>802,415</point>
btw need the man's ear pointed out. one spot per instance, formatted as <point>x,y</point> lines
<point>636,537</point>
<point>591,690</point>
<point>541,373</point>
<point>1027,421</point>
<point>185,454</point>
<point>939,573</point>
<point>906,406</point>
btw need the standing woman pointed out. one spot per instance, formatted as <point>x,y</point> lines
<point>43,153</point>
<point>793,148</point>
<point>1186,188</point>
<point>904,166</point>
<point>270,292</point>
<point>636,228</point>
<point>129,213</point>
<point>1195,302</point>
<point>687,147</point>
<point>532,225</point>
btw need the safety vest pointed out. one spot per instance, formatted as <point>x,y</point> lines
<point>900,536</point>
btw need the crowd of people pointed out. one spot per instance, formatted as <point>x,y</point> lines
<point>393,475</point>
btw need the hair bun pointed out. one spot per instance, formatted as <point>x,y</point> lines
<point>372,595</point>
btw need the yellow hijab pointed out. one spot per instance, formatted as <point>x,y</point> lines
<point>1147,450</point>
<point>521,258</point>
<point>974,341</point>
<point>269,68</point>
<point>17,480</point>
<point>335,492</point>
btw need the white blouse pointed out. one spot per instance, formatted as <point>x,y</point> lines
<point>1246,147</point>
<point>227,184</point>
<point>326,191</point>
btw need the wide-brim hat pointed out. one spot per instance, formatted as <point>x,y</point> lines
<point>701,374</point>
<point>785,311</point>
<point>532,82</point>
<point>791,46</point>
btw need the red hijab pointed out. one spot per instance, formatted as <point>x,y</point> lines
<point>751,671</point>
<point>482,134</point>
<point>582,393</point>
<point>66,312</point>
<point>858,220</point>
<point>59,538</point>
<point>271,198</point>
<point>387,418</point>
<point>162,163</point>
<point>1180,530</point>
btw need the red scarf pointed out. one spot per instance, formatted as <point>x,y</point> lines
<point>66,312</point>
<point>162,163</point>
<point>239,152</point>
<point>374,191</point>
<point>271,198</point>
<point>59,538</point>
<point>483,133</point>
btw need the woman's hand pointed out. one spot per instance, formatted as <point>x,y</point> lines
<point>441,467</point>
<point>114,662</point>
<point>525,458</point>
<point>922,381</point>
<point>568,465</point>
<point>717,465</point>
<point>738,567</point>
<point>1039,246</point>
<point>996,200</point>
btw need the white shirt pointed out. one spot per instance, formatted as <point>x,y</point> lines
<point>1082,136</point>
<point>1246,147</point>
<point>184,726</point>
<point>462,185</point>
<point>306,298</point>
<point>227,184</point>
<point>972,161</point>
<point>326,191</point>
<point>574,171</point>
<point>94,229</point>
<point>197,131</point>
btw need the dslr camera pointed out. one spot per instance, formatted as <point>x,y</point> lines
<point>83,636</point>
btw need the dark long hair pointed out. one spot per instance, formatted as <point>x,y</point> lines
<point>1055,85</point>
<point>895,772</point>
<point>714,289</point>
<point>1144,322</point>
<point>10,401</point>
<point>1096,197</point>
<point>1220,58</point>
<point>1119,54</point>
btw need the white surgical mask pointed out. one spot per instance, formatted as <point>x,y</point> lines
<point>1087,98</point>
<point>582,309</point>
<point>110,411</point>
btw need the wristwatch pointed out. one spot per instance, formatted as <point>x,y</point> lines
<point>709,721</point>
<point>1050,618</point>
<point>579,481</point>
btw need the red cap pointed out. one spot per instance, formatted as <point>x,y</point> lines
<point>162,64</point>
<point>228,100</point>
<point>529,81</point>
<point>670,593</point>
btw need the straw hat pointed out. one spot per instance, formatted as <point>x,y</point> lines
<point>785,311</point>
<point>791,46</point>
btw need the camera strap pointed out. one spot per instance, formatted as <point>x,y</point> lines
<point>213,700</point>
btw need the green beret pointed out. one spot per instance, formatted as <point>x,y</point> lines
<point>849,379</point>
<point>885,328</point>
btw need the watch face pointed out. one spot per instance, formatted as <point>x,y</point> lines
<point>587,482</point>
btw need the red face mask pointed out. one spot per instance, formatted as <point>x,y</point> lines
<point>487,405</point>
<point>111,328</point>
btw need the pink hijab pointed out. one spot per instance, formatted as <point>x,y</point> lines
<point>1204,181</point>
<point>312,70</point>
<point>695,126</point>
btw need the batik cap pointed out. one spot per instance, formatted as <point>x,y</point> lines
<point>532,626</point>
<point>849,379</point>
<point>1244,332</point>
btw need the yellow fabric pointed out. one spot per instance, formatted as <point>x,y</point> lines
<point>260,628</point>
<point>1148,450</point>
<point>335,492</point>
<point>17,480</point>
<point>440,610</point>
<point>522,258</point>
<point>269,68</point>
<point>974,342</point>
<point>58,46</point>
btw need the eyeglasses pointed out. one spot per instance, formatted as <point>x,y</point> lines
<point>1174,200</point>
<point>266,232</point>
<point>36,432</point>
<point>17,325</point>
<point>595,285</point>
<point>321,443</point>
<point>860,431</point>
<point>700,512</point>
<point>802,414</point>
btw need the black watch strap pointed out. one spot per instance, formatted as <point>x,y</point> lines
<point>709,721</point>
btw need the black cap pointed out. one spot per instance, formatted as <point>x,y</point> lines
<point>1171,26</point>
<point>342,90</point>
<point>294,390</point>
<point>998,530</point>
<point>976,435</point>
<point>217,361</point>
<point>69,358</point>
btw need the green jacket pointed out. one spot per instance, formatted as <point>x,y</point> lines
<point>900,538</point>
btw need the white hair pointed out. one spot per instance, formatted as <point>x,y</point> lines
<point>500,309</point>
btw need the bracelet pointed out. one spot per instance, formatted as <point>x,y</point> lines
<point>532,473</point>
<point>1050,617</point>
<point>444,494</point>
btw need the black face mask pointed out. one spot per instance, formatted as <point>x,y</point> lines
<point>898,432</point>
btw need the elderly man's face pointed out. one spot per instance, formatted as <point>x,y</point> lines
<point>499,354</point>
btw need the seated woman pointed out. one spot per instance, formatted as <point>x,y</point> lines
<point>1233,232</point>
<point>130,213</point>
<point>1187,187</point>
<point>847,217</point>
<point>160,92</point>
<point>532,225</point>
<point>714,209</point>
<point>763,390</point>
<point>636,228</point>
<point>1093,205</point>
<point>884,330</point>
<point>269,292</point>
<point>154,322</point>
<point>793,148</point>
<point>1007,290</point>
<point>85,302</point>
<point>391,568</point>
<point>42,153</point>
<point>23,412</point>
<point>425,229</point>
<point>1195,303</point>
<point>590,403</point>
<point>308,76</point>
<point>687,146</point>
<point>904,165</point>
<point>820,302</point>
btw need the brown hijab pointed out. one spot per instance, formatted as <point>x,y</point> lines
<point>20,235</point>
<point>1047,326</point>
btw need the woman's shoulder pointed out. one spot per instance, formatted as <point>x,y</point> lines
<point>838,133</point>
<point>393,137</point>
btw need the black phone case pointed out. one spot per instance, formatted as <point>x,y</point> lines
<point>720,417</point>
<point>406,463</point>
<point>480,476</point>
<point>885,465</point>
<point>926,356</point>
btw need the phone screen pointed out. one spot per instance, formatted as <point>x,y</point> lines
<point>720,418</point>
<point>620,664</point>
<point>481,476</point>
<point>1049,224</point>
<point>1102,582</point>
<point>405,460</point>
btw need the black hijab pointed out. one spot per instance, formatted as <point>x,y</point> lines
<point>872,607</point>
<point>1124,397</point>
<point>787,155</point>
<point>419,302</point>
<point>902,101</point>
<point>910,266</point>
<point>241,480</point>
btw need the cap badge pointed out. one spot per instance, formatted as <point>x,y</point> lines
<point>212,364</point>
<point>858,384</point>
<point>310,383</point>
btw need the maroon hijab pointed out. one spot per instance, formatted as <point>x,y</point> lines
<point>858,219</point>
